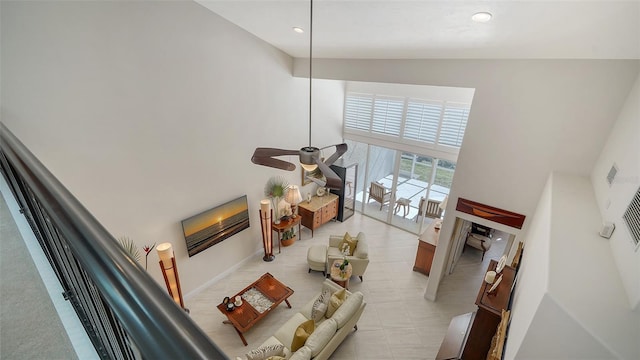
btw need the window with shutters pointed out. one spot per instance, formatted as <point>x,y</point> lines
<point>632,218</point>
<point>430,124</point>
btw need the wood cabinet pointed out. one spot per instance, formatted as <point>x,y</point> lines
<point>426,249</point>
<point>424,258</point>
<point>483,323</point>
<point>319,211</point>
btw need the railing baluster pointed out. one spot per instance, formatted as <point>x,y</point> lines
<point>125,312</point>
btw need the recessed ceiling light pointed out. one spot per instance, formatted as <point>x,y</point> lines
<point>299,30</point>
<point>481,16</point>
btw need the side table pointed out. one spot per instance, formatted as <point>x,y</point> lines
<point>405,206</point>
<point>285,225</point>
<point>339,277</point>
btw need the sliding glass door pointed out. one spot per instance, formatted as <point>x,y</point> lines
<point>391,184</point>
<point>380,183</point>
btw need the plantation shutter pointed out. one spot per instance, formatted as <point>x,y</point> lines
<point>454,122</point>
<point>387,116</point>
<point>357,112</point>
<point>422,121</point>
<point>419,122</point>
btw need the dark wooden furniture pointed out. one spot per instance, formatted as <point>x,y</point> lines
<point>283,226</point>
<point>245,316</point>
<point>348,173</point>
<point>426,249</point>
<point>319,211</point>
<point>454,339</point>
<point>482,324</point>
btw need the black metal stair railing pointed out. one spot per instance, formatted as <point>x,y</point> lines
<point>126,314</point>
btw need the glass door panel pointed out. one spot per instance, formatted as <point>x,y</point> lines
<point>357,153</point>
<point>379,183</point>
<point>413,180</point>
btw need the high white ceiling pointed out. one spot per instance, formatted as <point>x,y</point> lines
<point>401,29</point>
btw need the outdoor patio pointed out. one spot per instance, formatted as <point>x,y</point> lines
<point>411,189</point>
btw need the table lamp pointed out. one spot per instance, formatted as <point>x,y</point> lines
<point>293,197</point>
<point>443,204</point>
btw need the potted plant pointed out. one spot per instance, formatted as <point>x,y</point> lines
<point>275,189</point>
<point>288,237</point>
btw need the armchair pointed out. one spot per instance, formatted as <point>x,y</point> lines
<point>379,193</point>
<point>433,209</point>
<point>480,237</point>
<point>360,258</point>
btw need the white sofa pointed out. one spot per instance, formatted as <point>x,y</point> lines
<point>329,332</point>
<point>359,260</point>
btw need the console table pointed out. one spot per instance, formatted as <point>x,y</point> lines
<point>427,243</point>
<point>318,211</point>
<point>469,335</point>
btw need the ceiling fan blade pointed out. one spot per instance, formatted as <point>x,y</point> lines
<point>264,156</point>
<point>340,150</point>
<point>333,180</point>
<point>268,152</point>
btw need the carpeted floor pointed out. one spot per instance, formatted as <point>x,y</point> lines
<point>29,325</point>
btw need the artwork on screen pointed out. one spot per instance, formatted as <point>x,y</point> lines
<point>208,228</point>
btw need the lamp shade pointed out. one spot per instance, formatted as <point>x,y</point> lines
<point>265,206</point>
<point>443,204</point>
<point>165,252</point>
<point>293,195</point>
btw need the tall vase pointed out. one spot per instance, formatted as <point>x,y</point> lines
<point>276,210</point>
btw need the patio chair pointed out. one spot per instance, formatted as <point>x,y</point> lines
<point>433,209</point>
<point>379,193</point>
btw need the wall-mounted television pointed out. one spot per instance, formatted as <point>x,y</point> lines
<point>210,227</point>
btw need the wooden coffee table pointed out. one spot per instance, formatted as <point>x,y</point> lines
<point>258,299</point>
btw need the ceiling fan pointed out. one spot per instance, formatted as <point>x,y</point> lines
<point>310,158</point>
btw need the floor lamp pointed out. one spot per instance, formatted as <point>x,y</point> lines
<point>265,222</point>
<point>170,272</point>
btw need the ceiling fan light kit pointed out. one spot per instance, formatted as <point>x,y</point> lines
<point>309,156</point>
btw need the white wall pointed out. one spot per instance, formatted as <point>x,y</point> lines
<point>623,149</point>
<point>528,118</point>
<point>149,113</point>
<point>533,275</point>
<point>584,312</point>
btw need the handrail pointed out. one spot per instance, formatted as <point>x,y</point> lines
<point>159,328</point>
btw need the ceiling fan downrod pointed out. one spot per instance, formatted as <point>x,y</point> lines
<point>310,62</point>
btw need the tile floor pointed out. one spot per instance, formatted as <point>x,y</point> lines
<point>398,323</point>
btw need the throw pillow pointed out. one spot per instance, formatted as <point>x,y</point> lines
<point>264,352</point>
<point>321,305</point>
<point>348,242</point>
<point>301,334</point>
<point>336,300</point>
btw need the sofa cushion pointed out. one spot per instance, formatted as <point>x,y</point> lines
<point>321,336</point>
<point>302,333</point>
<point>336,300</point>
<point>348,308</point>
<point>348,242</point>
<point>284,334</point>
<point>266,351</point>
<point>320,306</point>
<point>304,353</point>
<point>362,250</point>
